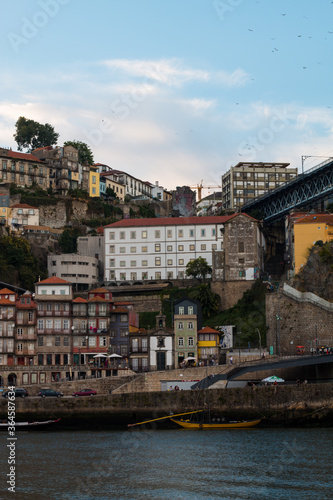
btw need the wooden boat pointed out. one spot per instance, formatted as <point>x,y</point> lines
<point>231,424</point>
<point>28,425</point>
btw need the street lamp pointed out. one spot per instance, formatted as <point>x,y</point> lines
<point>258,331</point>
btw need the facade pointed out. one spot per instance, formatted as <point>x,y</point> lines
<point>161,346</point>
<point>93,246</point>
<point>187,322</point>
<point>138,349</point>
<point>80,270</point>
<point>307,231</point>
<point>94,184</point>
<point>208,345</point>
<point>133,186</point>
<point>23,169</point>
<point>107,181</point>
<point>64,170</point>
<point>5,211</point>
<point>25,330</point>
<point>248,180</point>
<point>160,193</point>
<point>23,215</point>
<point>209,204</point>
<point>7,326</point>
<point>150,249</point>
<point>119,332</point>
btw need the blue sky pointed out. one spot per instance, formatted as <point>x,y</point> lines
<point>173,91</point>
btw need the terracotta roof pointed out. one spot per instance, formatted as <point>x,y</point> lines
<point>316,219</point>
<point>98,299</point>
<point>7,302</point>
<point>6,291</point>
<point>176,221</point>
<point>53,281</point>
<point>208,329</point>
<point>99,290</point>
<point>123,303</point>
<point>80,300</point>
<point>119,310</point>
<point>23,205</point>
<point>21,156</point>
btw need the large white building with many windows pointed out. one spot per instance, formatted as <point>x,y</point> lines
<point>154,249</point>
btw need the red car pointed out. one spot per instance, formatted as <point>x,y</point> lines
<point>85,392</point>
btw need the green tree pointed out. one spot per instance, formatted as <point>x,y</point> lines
<point>86,156</point>
<point>210,301</point>
<point>32,135</point>
<point>198,268</point>
<point>68,240</point>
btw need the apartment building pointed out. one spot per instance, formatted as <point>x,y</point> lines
<point>133,186</point>
<point>25,332</point>
<point>7,326</point>
<point>107,181</point>
<point>187,322</point>
<point>248,180</point>
<point>23,169</point>
<point>22,215</point>
<point>160,248</point>
<point>80,270</point>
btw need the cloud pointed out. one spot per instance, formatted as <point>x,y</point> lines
<point>197,105</point>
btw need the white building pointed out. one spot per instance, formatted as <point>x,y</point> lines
<point>160,248</point>
<point>80,270</point>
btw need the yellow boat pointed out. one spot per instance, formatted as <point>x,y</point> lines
<point>231,424</point>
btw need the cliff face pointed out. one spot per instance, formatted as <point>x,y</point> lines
<point>317,275</point>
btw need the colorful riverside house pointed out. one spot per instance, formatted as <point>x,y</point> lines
<point>25,333</point>
<point>119,334</point>
<point>208,345</point>
<point>138,349</point>
<point>187,321</point>
<point>7,326</point>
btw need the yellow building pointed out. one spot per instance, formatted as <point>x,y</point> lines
<point>208,345</point>
<point>94,189</point>
<point>307,231</point>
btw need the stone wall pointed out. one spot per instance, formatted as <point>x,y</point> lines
<point>230,291</point>
<point>301,322</point>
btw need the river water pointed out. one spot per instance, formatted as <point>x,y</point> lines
<point>171,464</point>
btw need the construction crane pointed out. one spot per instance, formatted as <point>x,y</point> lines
<point>200,187</point>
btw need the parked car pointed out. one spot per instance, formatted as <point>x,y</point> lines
<point>46,393</point>
<point>85,392</point>
<point>19,393</point>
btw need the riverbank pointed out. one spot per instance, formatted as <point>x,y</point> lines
<point>289,405</point>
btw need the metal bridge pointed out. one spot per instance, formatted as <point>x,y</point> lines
<point>313,185</point>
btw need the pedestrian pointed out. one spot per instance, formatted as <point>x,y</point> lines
<point>231,360</point>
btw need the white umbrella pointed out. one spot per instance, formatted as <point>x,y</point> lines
<point>273,378</point>
<point>100,356</point>
<point>114,356</point>
<point>190,358</point>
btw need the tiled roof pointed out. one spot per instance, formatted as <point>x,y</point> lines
<point>99,290</point>
<point>316,219</point>
<point>23,205</point>
<point>98,299</point>
<point>119,310</point>
<point>6,291</point>
<point>53,281</point>
<point>21,156</point>
<point>6,302</point>
<point>208,329</point>
<point>175,221</point>
<point>80,300</point>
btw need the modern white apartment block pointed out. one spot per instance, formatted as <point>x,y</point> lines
<point>160,248</point>
<point>80,270</point>
<point>248,180</point>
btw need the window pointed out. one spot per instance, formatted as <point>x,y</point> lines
<point>157,261</point>
<point>190,310</point>
<point>122,276</point>
<point>214,246</point>
<point>111,248</point>
<point>122,235</point>
<point>57,324</point>
<point>57,341</point>
<point>112,262</point>
<point>203,247</point>
<point>40,341</point>
<point>160,342</point>
<point>111,235</point>
<point>144,249</point>
<point>102,341</point>
<point>241,247</point>
<point>66,342</point>
<point>192,248</point>
<point>180,325</point>
<point>203,232</point>
<point>180,233</point>
<point>169,262</point>
<point>122,263</point>
<point>191,233</point>
<point>158,276</point>
<point>157,234</point>
<point>40,359</point>
<point>133,249</point>
<point>133,235</point>
<point>190,342</point>
<point>66,324</point>
<point>180,341</point>
<point>180,248</point>
<point>190,326</point>
<point>144,235</point>
<point>122,250</point>
<point>133,263</point>
<point>144,263</point>
<point>20,347</point>
<point>49,324</point>
<point>169,248</point>
<point>169,233</point>
<point>241,262</point>
<point>181,310</point>
<point>19,332</point>
<point>181,262</point>
<point>213,232</point>
<point>123,332</point>
<point>157,247</point>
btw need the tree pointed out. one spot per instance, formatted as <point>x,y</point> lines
<point>198,268</point>
<point>32,135</point>
<point>86,156</point>
<point>210,301</point>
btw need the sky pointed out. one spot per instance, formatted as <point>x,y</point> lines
<point>174,91</point>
